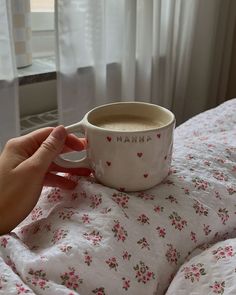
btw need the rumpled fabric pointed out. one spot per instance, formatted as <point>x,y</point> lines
<point>97,240</point>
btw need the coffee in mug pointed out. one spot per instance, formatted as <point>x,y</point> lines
<point>129,144</point>
<point>126,123</point>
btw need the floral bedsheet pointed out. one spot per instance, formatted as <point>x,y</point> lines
<point>176,238</point>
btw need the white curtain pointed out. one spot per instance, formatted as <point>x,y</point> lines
<point>9,104</point>
<point>168,52</point>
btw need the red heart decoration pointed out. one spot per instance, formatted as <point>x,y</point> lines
<point>158,135</point>
<point>165,157</point>
<point>139,155</point>
<point>108,163</point>
<point>145,175</point>
<point>109,138</point>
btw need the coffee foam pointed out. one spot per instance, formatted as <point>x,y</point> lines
<point>127,123</point>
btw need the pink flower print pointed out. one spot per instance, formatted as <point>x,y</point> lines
<point>223,214</point>
<point>172,171</point>
<point>172,199</point>
<point>206,229</point>
<point>4,242</point>
<point>218,287</point>
<point>186,191</point>
<point>66,214</point>
<point>48,227</point>
<point>96,200</point>
<point>24,230</point>
<point>36,229</point>
<point>87,258</point>
<point>168,182</point>
<point>74,196</point>
<point>207,163</point>
<point>219,160</point>
<point>65,248</point>
<point>161,231</point>
<point>193,237</point>
<point>143,243</point>
<point>194,272</point>
<point>21,289</point>
<point>172,255</point>
<point>71,279</point>
<point>182,177</point>
<point>145,196</point>
<point>126,255</point>
<point>223,252</point>
<point>231,190</point>
<point>200,209</point>
<point>143,219</point>
<point>142,273</point>
<point>11,264</point>
<point>36,213</point>
<point>220,176</point>
<point>3,280</point>
<point>54,196</point>
<point>59,234</point>
<point>177,221</point>
<point>119,232</point>
<point>94,237</point>
<point>38,278</point>
<point>121,199</point>
<point>83,194</point>
<point>200,184</point>
<point>99,291</point>
<point>112,263</point>
<point>86,218</point>
<point>190,157</point>
<point>126,283</point>
<point>217,195</point>
<point>158,208</point>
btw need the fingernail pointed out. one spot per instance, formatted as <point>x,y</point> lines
<point>59,133</point>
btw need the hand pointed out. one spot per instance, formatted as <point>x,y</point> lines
<point>26,165</point>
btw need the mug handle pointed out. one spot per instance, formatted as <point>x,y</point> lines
<point>82,163</point>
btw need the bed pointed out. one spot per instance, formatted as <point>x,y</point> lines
<point>176,238</point>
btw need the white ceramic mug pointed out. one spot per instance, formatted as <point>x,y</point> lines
<point>126,159</point>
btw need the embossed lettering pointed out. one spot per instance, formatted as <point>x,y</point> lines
<point>134,138</point>
<point>127,139</point>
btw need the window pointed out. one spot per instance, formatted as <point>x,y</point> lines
<point>42,5</point>
<point>43,27</point>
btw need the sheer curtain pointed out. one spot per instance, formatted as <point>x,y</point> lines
<point>168,52</point>
<point>9,109</point>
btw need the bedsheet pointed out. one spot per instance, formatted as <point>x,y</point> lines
<point>97,240</point>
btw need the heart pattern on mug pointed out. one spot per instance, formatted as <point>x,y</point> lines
<point>139,155</point>
<point>158,135</point>
<point>165,157</point>
<point>108,163</point>
<point>145,175</point>
<point>109,138</point>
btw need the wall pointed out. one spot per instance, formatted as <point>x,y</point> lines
<point>37,97</point>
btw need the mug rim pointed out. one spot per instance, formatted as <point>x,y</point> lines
<point>172,121</point>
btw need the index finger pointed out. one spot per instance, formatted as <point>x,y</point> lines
<point>74,143</point>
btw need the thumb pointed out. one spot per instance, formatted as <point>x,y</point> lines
<point>50,148</point>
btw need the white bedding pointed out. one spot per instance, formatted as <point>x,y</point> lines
<point>96,240</point>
